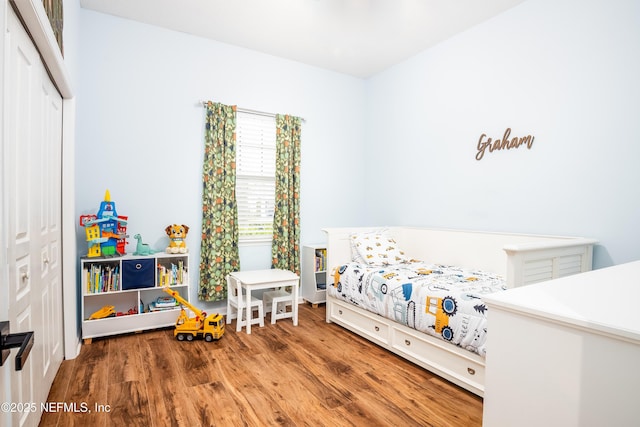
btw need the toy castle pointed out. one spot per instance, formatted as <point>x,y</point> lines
<point>106,231</point>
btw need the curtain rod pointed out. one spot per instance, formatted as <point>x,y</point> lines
<point>246,110</point>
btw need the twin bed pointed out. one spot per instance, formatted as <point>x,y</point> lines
<point>418,291</point>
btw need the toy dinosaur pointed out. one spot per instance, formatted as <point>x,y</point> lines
<point>142,248</point>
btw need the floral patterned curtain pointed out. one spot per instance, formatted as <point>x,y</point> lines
<point>285,249</point>
<point>219,247</point>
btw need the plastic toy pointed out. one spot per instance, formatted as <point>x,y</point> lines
<point>142,248</point>
<point>121,243</point>
<point>177,234</point>
<point>106,311</point>
<point>106,232</point>
<point>131,311</point>
<point>209,327</point>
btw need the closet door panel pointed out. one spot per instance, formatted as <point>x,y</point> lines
<point>50,231</point>
<point>32,195</point>
<point>21,106</point>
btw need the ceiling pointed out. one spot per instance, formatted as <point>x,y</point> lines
<point>355,37</point>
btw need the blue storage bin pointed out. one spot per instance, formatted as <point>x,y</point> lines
<point>138,273</point>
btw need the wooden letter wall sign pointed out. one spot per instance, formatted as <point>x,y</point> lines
<point>505,143</point>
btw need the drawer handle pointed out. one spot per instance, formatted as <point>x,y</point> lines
<point>340,312</point>
<point>138,266</point>
<point>377,329</point>
<point>407,342</point>
<point>471,371</point>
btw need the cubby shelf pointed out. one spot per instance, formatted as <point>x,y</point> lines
<point>130,283</point>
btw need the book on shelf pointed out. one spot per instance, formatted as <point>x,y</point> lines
<point>154,307</point>
<point>102,278</point>
<point>165,302</point>
<point>321,260</point>
<point>173,274</point>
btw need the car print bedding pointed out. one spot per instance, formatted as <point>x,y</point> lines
<point>443,301</point>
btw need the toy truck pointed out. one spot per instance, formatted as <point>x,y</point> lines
<point>209,327</point>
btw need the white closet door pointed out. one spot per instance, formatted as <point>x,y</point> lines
<point>48,155</point>
<point>31,195</point>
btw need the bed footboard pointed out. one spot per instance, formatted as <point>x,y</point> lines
<point>530,263</point>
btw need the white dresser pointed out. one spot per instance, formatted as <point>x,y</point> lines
<point>566,352</point>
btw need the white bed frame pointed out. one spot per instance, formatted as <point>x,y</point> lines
<point>521,259</point>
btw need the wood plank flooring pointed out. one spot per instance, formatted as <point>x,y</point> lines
<point>315,374</point>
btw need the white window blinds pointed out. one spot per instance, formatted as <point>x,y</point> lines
<point>255,175</point>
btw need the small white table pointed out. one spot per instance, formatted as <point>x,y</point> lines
<point>268,279</point>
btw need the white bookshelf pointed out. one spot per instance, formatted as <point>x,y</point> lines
<point>129,284</point>
<point>314,274</point>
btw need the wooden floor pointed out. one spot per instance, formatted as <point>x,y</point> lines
<point>315,374</point>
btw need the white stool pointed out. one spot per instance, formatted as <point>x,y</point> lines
<point>279,300</point>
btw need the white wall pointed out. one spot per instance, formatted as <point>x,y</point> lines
<point>140,128</point>
<point>565,72</point>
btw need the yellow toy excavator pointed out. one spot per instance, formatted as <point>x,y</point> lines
<point>106,311</point>
<point>209,327</point>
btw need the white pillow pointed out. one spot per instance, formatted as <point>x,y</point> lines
<point>355,255</point>
<point>376,248</point>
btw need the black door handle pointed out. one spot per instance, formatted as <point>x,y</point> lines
<point>23,340</point>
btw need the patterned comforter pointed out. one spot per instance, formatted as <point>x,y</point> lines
<point>442,301</point>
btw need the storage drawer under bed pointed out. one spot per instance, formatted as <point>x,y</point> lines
<point>372,326</point>
<point>428,350</point>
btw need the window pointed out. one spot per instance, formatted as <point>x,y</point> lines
<point>255,176</point>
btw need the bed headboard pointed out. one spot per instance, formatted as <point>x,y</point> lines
<point>521,258</point>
